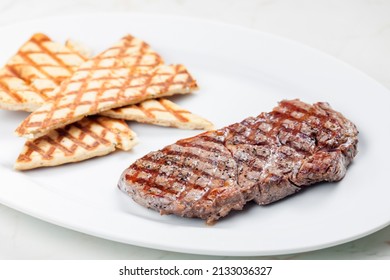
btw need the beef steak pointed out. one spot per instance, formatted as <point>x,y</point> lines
<point>263,158</point>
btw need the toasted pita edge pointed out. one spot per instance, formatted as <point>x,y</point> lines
<point>14,106</point>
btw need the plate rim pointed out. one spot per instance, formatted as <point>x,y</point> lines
<point>224,25</point>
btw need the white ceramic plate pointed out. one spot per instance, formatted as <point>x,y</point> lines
<point>241,73</point>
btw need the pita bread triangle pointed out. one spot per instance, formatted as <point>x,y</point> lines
<point>160,112</point>
<point>85,139</point>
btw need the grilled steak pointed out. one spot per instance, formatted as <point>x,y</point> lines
<point>263,158</point>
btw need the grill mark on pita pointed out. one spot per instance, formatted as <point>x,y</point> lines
<point>45,91</point>
<point>142,50</point>
<point>123,87</point>
<point>55,144</point>
<point>177,114</point>
<point>50,54</point>
<point>147,112</point>
<point>13,72</point>
<point>32,147</point>
<point>122,50</point>
<point>169,82</point>
<point>75,92</point>
<point>110,129</point>
<point>77,142</point>
<point>99,93</point>
<point>144,87</point>
<point>32,89</point>
<point>47,119</point>
<point>9,92</point>
<point>26,156</point>
<point>87,130</point>
<point>54,140</point>
<point>31,63</point>
<point>83,87</point>
<point>28,82</point>
<point>63,133</point>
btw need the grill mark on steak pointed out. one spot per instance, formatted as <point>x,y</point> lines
<point>171,176</point>
<point>167,174</point>
<point>263,159</point>
<point>192,181</point>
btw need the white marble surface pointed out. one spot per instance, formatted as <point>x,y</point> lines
<point>355,31</point>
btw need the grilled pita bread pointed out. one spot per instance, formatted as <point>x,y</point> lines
<point>131,62</point>
<point>160,112</point>
<point>90,137</point>
<point>16,94</point>
<point>82,140</point>
<point>39,66</point>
